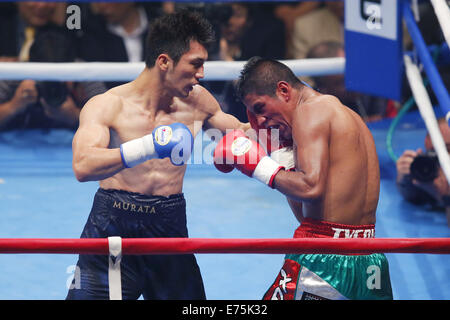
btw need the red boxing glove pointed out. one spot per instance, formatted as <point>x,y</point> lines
<point>236,150</point>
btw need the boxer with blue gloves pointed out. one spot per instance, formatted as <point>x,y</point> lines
<point>172,141</point>
<point>136,139</point>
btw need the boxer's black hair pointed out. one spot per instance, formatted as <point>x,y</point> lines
<point>261,76</point>
<point>172,33</point>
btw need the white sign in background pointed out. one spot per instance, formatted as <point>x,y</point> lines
<point>372,17</point>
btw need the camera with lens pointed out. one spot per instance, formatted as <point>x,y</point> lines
<point>425,167</point>
<point>53,92</point>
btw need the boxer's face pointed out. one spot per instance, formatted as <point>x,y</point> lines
<point>184,75</point>
<point>268,112</point>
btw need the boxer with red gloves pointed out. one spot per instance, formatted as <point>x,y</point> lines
<point>236,150</point>
<point>336,180</point>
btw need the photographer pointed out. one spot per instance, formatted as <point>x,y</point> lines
<point>420,178</point>
<point>32,104</point>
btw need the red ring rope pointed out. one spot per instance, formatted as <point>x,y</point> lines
<point>200,245</point>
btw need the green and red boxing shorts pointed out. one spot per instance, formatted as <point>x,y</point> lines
<point>332,276</point>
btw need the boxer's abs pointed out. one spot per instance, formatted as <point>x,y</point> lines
<point>153,177</point>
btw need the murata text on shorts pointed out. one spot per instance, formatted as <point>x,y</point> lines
<point>131,207</point>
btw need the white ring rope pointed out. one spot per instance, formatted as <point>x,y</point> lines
<point>426,110</point>
<point>127,71</point>
<point>442,11</point>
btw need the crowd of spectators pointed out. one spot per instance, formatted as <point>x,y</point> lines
<point>36,32</point>
<point>116,32</point>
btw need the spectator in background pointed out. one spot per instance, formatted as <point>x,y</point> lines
<point>23,23</point>
<point>420,180</point>
<point>31,104</point>
<point>247,32</point>
<point>250,32</point>
<point>370,108</point>
<point>288,12</point>
<point>325,23</point>
<point>115,32</point>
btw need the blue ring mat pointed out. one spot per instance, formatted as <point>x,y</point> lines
<point>40,198</point>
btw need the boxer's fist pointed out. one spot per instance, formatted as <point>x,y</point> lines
<point>173,141</point>
<point>236,150</point>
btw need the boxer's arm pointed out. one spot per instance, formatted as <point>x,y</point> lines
<point>311,131</point>
<point>285,157</point>
<point>92,159</point>
<point>223,121</point>
<point>216,118</point>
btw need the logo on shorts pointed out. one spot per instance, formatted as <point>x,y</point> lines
<point>131,207</point>
<point>163,135</point>
<point>285,284</point>
<point>359,233</point>
<point>240,146</point>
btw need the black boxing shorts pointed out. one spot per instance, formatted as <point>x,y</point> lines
<point>133,215</point>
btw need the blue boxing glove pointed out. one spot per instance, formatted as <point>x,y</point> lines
<point>172,141</point>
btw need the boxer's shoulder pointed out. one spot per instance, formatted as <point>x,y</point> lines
<point>321,109</point>
<point>108,99</point>
<point>103,106</point>
<point>201,100</point>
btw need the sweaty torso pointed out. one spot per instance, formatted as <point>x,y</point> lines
<point>353,179</point>
<point>132,120</point>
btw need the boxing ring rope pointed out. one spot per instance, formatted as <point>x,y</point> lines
<point>117,247</point>
<point>127,71</point>
<point>426,111</point>
<point>420,93</point>
<point>425,58</point>
<point>442,12</point>
<point>140,246</point>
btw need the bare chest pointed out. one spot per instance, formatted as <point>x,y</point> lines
<point>134,122</point>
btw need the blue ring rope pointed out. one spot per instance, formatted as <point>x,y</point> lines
<point>430,68</point>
